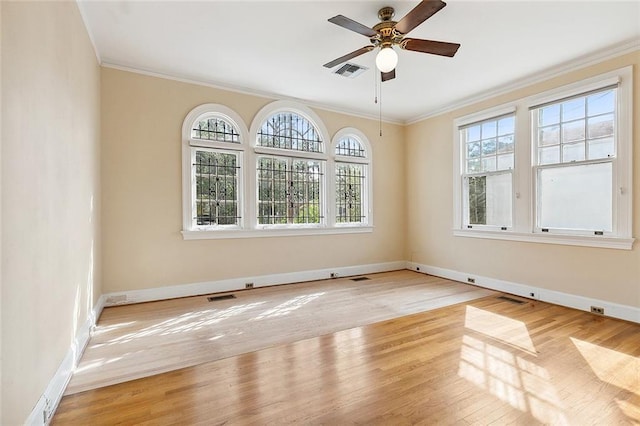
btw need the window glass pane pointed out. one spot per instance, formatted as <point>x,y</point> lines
<point>350,181</point>
<point>489,129</point>
<point>289,131</point>
<point>473,166</point>
<point>489,200</point>
<point>489,164</point>
<point>549,135</point>
<point>505,162</point>
<point>549,155</point>
<point>573,152</point>
<point>215,129</point>
<point>573,131</point>
<point>216,176</point>
<point>488,146</point>
<point>288,191</point>
<point>505,144</point>
<point>549,115</point>
<point>601,148</point>
<point>272,187</point>
<point>506,126</point>
<point>573,109</point>
<point>576,197</point>
<point>473,150</point>
<point>477,200</point>
<point>349,147</point>
<point>601,103</point>
<point>601,126</point>
<point>599,110</point>
<point>473,133</point>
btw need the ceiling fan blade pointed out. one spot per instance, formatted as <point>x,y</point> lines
<point>441,48</point>
<point>352,25</point>
<point>348,56</point>
<point>423,11</point>
<point>388,75</point>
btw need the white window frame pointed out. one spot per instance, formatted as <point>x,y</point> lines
<point>525,170</point>
<point>248,153</point>
<point>191,145</point>
<point>489,116</point>
<point>366,162</point>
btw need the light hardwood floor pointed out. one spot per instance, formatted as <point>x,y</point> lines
<point>484,361</point>
<point>136,341</point>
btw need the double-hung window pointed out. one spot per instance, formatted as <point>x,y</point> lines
<point>488,163</point>
<point>554,167</point>
<point>575,152</point>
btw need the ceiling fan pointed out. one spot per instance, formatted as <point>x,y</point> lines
<point>388,33</point>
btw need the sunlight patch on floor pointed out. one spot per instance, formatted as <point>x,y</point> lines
<point>504,329</point>
<point>613,367</point>
<point>289,306</point>
<point>504,373</point>
<point>106,329</point>
<point>629,409</point>
<point>98,363</point>
<point>188,322</point>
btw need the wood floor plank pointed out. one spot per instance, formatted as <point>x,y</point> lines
<point>136,341</point>
<point>484,361</point>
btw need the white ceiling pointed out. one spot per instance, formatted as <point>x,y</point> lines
<point>277,48</point>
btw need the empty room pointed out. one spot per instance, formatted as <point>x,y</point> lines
<point>319,212</point>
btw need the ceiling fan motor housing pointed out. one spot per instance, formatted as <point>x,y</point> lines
<point>387,34</point>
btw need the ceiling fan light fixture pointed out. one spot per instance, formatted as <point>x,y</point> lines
<point>386,59</point>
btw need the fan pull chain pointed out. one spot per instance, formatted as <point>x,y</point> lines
<point>375,88</point>
<point>380,103</point>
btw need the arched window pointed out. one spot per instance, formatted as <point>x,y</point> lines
<point>292,179</point>
<point>290,166</point>
<point>352,178</point>
<point>212,168</point>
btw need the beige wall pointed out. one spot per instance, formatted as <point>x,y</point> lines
<point>142,118</point>
<point>605,274</point>
<point>50,194</point>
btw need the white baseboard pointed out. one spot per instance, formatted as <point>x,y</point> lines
<point>611,309</point>
<point>48,402</point>
<point>196,289</point>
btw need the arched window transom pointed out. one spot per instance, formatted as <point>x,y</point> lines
<point>288,130</point>
<point>350,147</point>
<point>215,129</point>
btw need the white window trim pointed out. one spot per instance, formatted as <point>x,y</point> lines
<point>249,227</point>
<point>524,186</point>
<point>188,145</point>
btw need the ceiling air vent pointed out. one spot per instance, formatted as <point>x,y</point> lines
<point>350,70</point>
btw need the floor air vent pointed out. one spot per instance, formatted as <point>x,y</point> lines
<point>223,297</point>
<point>512,300</point>
<point>360,279</point>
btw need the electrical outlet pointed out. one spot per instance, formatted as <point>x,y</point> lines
<point>597,310</point>
<point>46,412</point>
<point>248,285</point>
<point>334,275</point>
<point>471,280</point>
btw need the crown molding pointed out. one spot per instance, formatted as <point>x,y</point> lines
<point>556,71</point>
<point>106,63</point>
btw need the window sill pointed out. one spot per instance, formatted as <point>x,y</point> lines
<point>569,240</point>
<point>272,232</point>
